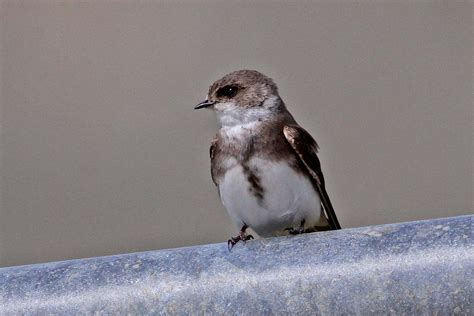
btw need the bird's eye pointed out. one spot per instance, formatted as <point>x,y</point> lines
<point>227,91</point>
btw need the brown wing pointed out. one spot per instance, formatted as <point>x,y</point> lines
<point>306,148</point>
<point>212,151</point>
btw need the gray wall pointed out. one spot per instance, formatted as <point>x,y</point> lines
<point>102,153</point>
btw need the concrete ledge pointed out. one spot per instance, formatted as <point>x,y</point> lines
<point>414,268</point>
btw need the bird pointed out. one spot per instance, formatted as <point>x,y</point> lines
<point>264,164</point>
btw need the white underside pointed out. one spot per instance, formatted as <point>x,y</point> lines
<point>289,197</point>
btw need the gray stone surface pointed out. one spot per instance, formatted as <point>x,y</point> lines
<point>417,268</point>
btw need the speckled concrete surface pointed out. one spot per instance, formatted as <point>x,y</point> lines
<point>418,268</point>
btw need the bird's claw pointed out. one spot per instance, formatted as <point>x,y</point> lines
<point>298,231</point>
<point>234,240</point>
<point>293,231</point>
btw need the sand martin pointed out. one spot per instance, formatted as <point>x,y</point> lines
<point>263,163</point>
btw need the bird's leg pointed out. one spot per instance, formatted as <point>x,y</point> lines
<point>242,236</point>
<point>298,231</point>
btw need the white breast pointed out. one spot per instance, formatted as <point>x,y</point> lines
<point>288,197</point>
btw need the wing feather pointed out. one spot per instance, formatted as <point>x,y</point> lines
<point>212,152</point>
<point>306,149</point>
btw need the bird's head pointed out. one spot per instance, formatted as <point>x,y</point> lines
<point>242,97</point>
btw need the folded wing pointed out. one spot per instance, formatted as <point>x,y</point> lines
<point>306,149</point>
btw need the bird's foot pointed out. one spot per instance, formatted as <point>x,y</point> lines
<point>241,237</point>
<point>293,231</point>
<point>299,230</point>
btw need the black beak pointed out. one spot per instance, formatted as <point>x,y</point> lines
<point>203,104</point>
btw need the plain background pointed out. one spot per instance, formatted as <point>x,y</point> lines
<point>101,152</point>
